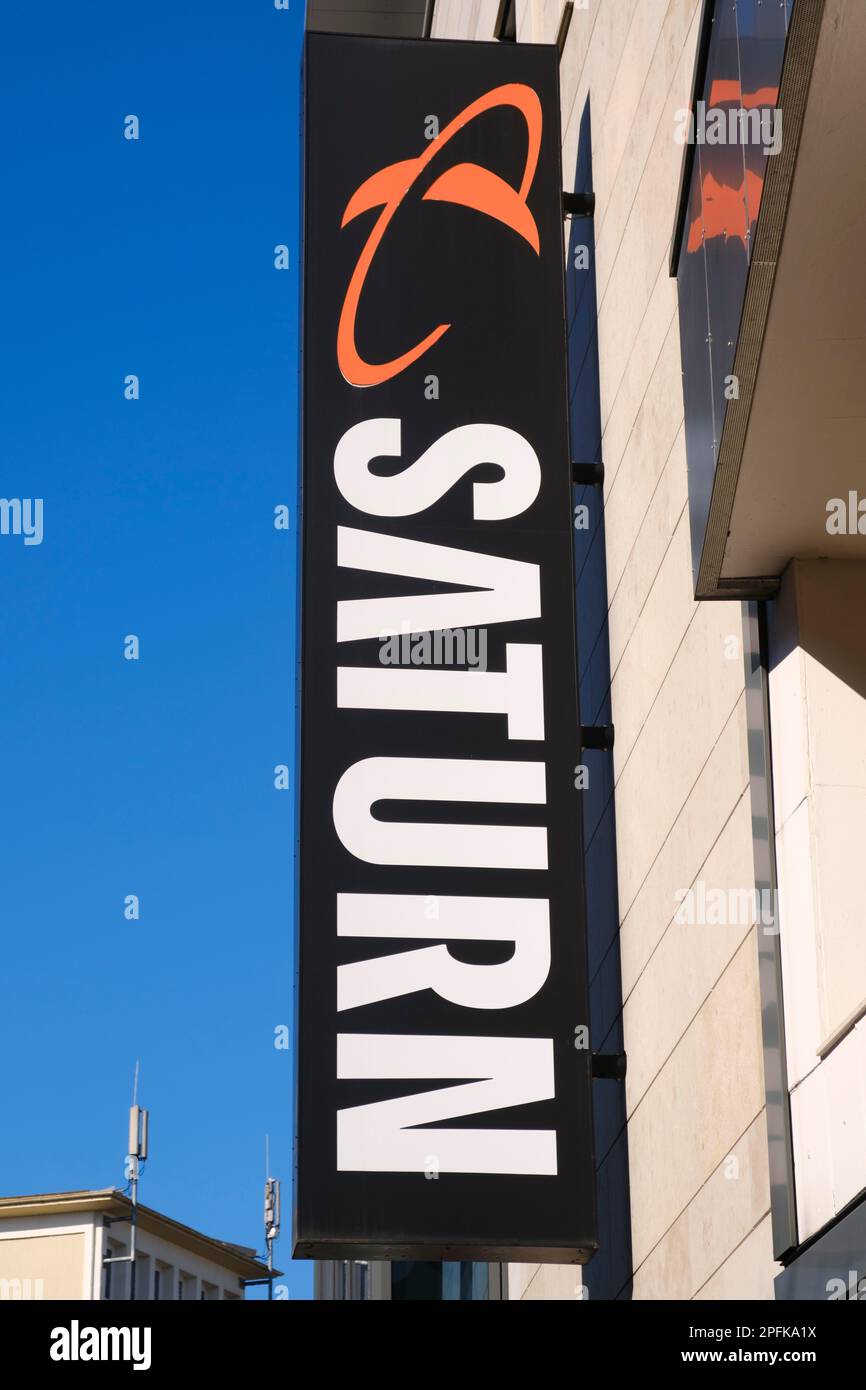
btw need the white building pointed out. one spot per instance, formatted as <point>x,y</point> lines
<point>54,1246</point>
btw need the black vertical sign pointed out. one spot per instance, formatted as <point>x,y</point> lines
<point>443,1076</point>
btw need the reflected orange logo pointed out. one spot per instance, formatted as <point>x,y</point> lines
<point>726,211</point>
<point>468,185</point>
<point>723,210</point>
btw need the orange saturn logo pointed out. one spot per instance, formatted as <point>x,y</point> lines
<point>470,185</point>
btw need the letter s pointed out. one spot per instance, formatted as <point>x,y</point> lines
<point>422,483</point>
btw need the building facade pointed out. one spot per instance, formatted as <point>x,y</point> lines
<point>70,1245</point>
<point>717,363</point>
<point>403,1281</point>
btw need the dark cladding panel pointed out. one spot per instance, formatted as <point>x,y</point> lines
<point>397,19</point>
<point>830,1269</point>
<point>443,1072</point>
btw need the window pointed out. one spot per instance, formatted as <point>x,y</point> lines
<point>356,1280</point>
<point>114,1276</point>
<point>450,1281</point>
<point>506,22</point>
<point>141,1276</point>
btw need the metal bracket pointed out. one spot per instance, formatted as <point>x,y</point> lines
<point>587,474</point>
<point>578,204</point>
<point>598,736</point>
<point>609,1066</point>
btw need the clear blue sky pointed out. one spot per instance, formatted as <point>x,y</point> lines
<point>153,777</point>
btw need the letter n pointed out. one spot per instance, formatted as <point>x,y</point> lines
<point>384,1137</point>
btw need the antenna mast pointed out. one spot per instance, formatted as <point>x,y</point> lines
<point>136,1154</point>
<point>272,1216</point>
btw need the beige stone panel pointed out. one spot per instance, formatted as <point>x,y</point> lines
<point>749,1271</point>
<point>844,1076</point>
<point>818,710</point>
<point>612,134</point>
<point>678,737</point>
<point>625,294</point>
<point>790,739</point>
<point>487,12</point>
<point>667,88</point>
<point>609,34</point>
<point>438,29</point>
<point>58,1260</point>
<point>466,19</point>
<point>571,67</point>
<point>570,144</point>
<point>798,939</point>
<point>519,1276</point>
<point>655,640</point>
<point>837,709</point>
<point>470,9</point>
<point>654,435</point>
<point>707,1095</point>
<point>553,11</point>
<point>722,781</point>
<point>545,14</point>
<point>810,1129</point>
<point>828,1120</point>
<point>555,1282</point>
<point>669,502</point>
<point>838,817</point>
<point>690,957</point>
<point>643,251</point>
<point>827,595</point>
<point>647,345</point>
<point>732,1201</point>
<point>450,19</point>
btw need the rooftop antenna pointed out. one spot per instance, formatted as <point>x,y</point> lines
<point>136,1154</point>
<point>272,1215</point>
